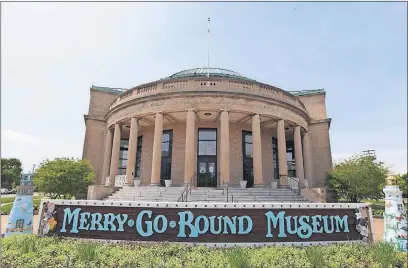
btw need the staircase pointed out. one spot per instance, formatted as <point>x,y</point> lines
<point>147,193</point>
<point>207,195</point>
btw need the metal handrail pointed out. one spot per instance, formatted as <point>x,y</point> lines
<point>187,190</point>
<point>225,188</point>
<point>304,187</point>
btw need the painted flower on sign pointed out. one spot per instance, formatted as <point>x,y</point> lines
<point>52,223</point>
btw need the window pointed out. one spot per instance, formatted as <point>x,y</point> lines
<point>207,142</point>
<point>165,172</point>
<point>290,158</point>
<point>123,156</point>
<point>275,158</point>
<point>166,143</point>
<point>400,207</point>
<point>248,147</point>
<point>20,223</point>
<point>139,155</point>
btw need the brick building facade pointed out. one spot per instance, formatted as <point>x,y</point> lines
<point>214,124</point>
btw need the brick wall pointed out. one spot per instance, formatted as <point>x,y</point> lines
<point>315,105</point>
<point>321,152</point>
<point>95,133</point>
<point>94,146</point>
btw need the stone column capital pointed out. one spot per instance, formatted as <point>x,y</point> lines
<point>223,110</point>
<point>191,110</point>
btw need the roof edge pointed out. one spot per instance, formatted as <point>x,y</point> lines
<point>116,91</point>
<point>307,92</point>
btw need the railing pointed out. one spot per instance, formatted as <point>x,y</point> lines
<point>225,189</point>
<point>295,184</point>
<point>187,190</point>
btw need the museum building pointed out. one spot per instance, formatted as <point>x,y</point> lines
<point>212,124</point>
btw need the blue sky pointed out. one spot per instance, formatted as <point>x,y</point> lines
<point>53,52</point>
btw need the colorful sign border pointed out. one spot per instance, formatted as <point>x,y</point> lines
<point>51,220</point>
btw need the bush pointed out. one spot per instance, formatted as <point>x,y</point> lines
<point>30,251</point>
<point>63,177</point>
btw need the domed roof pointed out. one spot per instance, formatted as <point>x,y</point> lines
<point>214,72</point>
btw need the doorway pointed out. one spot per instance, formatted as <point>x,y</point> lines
<point>207,158</point>
<point>247,158</point>
<point>165,171</point>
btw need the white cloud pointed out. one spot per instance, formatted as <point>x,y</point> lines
<point>8,135</point>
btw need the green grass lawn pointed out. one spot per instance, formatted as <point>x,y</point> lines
<point>7,208</point>
<point>7,199</point>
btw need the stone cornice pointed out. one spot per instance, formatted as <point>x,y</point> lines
<point>206,94</point>
<point>326,120</point>
<point>90,117</point>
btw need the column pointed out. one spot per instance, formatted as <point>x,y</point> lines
<point>107,155</point>
<point>283,167</point>
<point>308,160</point>
<point>257,150</point>
<point>157,143</point>
<point>224,150</point>
<point>190,146</point>
<point>131,159</point>
<point>299,155</point>
<point>115,154</point>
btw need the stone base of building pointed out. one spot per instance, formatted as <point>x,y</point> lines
<point>98,192</point>
<point>315,195</point>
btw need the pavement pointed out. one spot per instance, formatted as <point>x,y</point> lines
<point>378,226</point>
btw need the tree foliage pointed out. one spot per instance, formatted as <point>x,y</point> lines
<point>356,178</point>
<point>63,177</point>
<point>10,172</point>
<point>402,181</point>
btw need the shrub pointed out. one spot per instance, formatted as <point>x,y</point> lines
<point>315,256</point>
<point>25,251</point>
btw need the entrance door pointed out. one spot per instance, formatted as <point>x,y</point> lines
<point>165,171</point>
<point>207,158</point>
<point>206,172</point>
<point>248,166</point>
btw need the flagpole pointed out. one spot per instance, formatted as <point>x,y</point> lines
<point>208,56</point>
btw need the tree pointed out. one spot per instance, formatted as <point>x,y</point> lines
<point>402,181</point>
<point>358,177</point>
<point>63,177</point>
<point>10,172</point>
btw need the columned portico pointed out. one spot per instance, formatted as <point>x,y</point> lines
<point>189,167</point>
<point>283,167</point>
<point>298,154</point>
<point>115,154</point>
<point>257,147</point>
<point>157,150</point>
<point>225,147</point>
<point>131,161</point>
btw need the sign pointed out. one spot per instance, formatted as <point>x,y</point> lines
<point>208,223</point>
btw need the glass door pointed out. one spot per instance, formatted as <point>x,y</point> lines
<point>247,158</point>
<point>206,173</point>
<point>207,158</point>
<point>165,171</point>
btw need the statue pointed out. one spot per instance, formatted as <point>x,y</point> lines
<point>20,220</point>
<point>395,216</point>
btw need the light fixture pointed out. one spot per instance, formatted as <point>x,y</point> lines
<point>207,114</point>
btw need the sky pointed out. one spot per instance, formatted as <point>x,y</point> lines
<point>52,53</point>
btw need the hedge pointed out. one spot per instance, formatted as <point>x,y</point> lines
<point>30,251</point>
